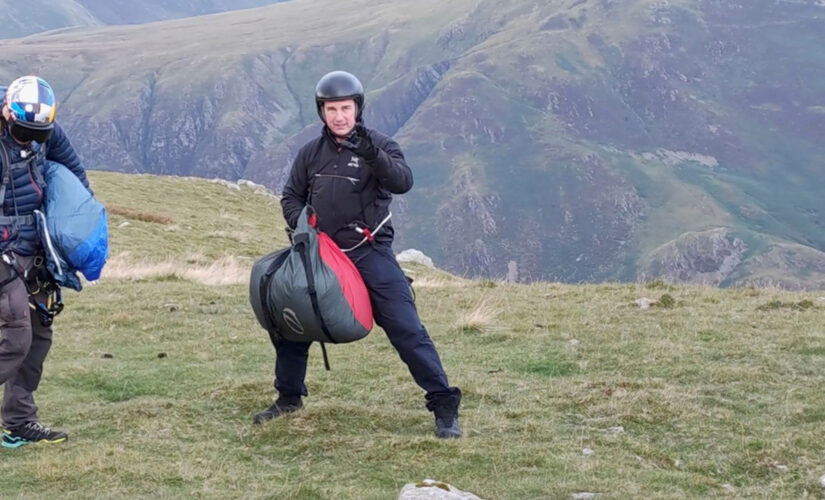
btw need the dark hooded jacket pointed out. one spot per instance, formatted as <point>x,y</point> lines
<point>345,190</point>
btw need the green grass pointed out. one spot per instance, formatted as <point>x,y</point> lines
<point>157,379</point>
<point>715,391</point>
<point>205,218</point>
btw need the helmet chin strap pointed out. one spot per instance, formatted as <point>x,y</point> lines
<point>7,130</point>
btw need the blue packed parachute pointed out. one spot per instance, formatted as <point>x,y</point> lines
<point>73,229</point>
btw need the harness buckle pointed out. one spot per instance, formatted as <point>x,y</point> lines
<point>46,312</point>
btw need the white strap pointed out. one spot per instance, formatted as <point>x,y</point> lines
<point>48,238</point>
<point>372,232</point>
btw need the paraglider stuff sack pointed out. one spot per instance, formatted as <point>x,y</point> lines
<point>76,222</point>
<point>310,291</point>
<point>89,256</point>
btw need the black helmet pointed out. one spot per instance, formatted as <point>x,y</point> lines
<point>337,86</point>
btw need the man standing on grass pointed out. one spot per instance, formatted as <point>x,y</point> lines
<point>348,175</point>
<point>28,137</point>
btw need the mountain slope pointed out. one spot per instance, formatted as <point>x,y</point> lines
<point>573,140</point>
<point>34,16</point>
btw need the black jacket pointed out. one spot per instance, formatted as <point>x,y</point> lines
<point>344,189</point>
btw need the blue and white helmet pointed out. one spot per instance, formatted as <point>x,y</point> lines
<point>31,104</point>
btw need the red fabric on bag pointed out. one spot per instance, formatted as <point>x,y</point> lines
<point>350,279</point>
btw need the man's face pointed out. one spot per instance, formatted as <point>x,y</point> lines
<point>340,116</point>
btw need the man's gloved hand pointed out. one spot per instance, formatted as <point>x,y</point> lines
<point>359,142</point>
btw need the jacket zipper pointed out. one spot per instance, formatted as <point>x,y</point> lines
<point>353,180</point>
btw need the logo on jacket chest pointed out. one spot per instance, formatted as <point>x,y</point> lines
<point>354,162</point>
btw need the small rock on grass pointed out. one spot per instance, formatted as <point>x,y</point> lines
<point>779,467</point>
<point>429,489</point>
<point>584,495</point>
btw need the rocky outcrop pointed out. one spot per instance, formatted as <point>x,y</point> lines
<point>413,255</point>
<point>787,266</point>
<point>703,258</point>
<point>467,221</point>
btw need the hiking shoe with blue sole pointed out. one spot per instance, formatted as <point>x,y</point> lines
<point>32,432</point>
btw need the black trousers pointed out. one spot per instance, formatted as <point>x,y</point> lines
<point>395,312</point>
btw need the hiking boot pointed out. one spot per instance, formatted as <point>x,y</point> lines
<point>446,422</point>
<point>32,432</point>
<point>282,406</point>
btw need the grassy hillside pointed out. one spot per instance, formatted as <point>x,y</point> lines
<point>20,19</point>
<point>710,393</point>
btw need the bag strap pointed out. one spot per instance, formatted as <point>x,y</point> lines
<point>263,293</point>
<point>47,238</point>
<point>6,176</point>
<point>302,247</point>
<point>9,220</point>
